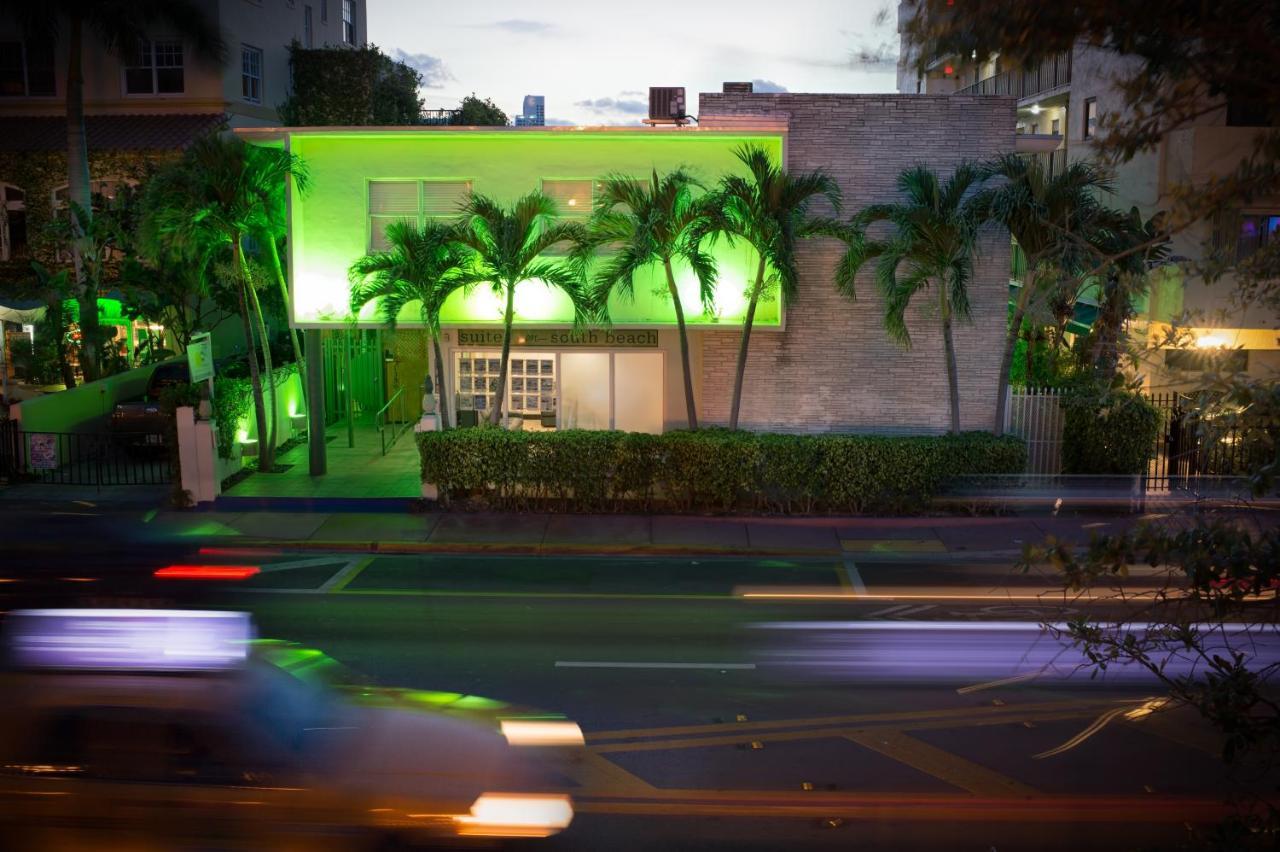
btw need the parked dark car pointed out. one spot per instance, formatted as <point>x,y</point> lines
<point>144,417</point>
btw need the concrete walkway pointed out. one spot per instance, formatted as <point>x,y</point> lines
<point>866,539</point>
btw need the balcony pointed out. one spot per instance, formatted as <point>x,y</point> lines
<point>1025,82</point>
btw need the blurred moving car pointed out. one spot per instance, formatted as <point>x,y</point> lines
<point>171,724</point>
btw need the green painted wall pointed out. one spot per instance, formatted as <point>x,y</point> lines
<point>330,230</point>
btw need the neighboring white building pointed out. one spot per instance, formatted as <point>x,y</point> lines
<point>534,113</point>
<point>1059,106</point>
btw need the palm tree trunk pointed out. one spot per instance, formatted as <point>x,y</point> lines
<point>495,416</point>
<point>59,318</point>
<point>79,195</point>
<point>273,255</point>
<point>736,404</point>
<point>266,440</point>
<point>1010,343</point>
<point>949,347</point>
<point>440,386</point>
<point>684,345</point>
<point>255,380</point>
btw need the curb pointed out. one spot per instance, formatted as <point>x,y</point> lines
<point>394,548</point>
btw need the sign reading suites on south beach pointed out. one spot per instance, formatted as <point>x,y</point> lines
<point>552,338</point>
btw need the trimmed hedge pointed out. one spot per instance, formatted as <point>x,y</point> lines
<point>712,470</point>
<point>1108,432</point>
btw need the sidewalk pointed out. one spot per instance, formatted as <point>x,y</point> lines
<point>942,539</point>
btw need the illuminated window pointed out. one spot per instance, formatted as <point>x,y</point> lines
<point>1090,118</point>
<point>1257,231</point>
<point>411,200</point>
<point>251,73</point>
<point>154,68</point>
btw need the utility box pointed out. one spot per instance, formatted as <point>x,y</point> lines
<point>667,105</point>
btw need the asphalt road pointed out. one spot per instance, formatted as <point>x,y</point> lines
<point>727,703</point>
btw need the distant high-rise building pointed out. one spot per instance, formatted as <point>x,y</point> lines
<point>534,113</point>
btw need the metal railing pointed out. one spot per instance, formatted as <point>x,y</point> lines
<point>1051,73</point>
<point>93,458</point>
<point>439,116</point>
<point>384,425</point>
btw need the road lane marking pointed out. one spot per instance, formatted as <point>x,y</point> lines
<point>891,545</point>
<point>992,684</point>
<point>1082,707</point>
<point>303,563</point>
<point>855,579</point>
<point>592,664</point>
<point>944,765</point>
<point>343,578</point>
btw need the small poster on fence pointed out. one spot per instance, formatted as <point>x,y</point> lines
<point>42,452</point>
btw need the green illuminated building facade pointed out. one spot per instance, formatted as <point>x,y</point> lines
<point>822,364</point>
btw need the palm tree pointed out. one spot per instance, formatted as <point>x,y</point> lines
<point>1050,218</point>
<point>118,25</point>
<point>422,265</point>
<point>770,211</point>
<point>933,244</point>
<point>1123,281</point>
<point>502,247</point>
<point>220,198</point>
<point>655,221</point>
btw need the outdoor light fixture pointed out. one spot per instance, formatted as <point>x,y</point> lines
<point>1211,341</point>
<point>1035,109</point>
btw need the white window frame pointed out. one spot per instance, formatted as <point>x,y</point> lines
<point>9,206</point>
<point>419,216</point>
<point>247,53</point>
<point>155,70</point>
<point>26,74</point>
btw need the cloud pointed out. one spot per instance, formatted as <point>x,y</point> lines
<point>521,26</point>
<point>759,85</point>
<point>635,93</point>
<point>433,70</point>
<point>603,105</point>
<point>560,122</point>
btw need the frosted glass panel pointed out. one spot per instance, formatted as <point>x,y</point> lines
<point>637,378</point>
<point>584,390</point>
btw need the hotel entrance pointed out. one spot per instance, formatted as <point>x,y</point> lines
<point>565,388</point>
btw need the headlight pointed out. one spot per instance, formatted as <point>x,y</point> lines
<point>516,815</point>
<point>521,732</point>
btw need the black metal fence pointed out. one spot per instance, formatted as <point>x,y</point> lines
<point>1189,448</point>
<point>86,458</point>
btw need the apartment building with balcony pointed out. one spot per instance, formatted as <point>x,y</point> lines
<point>143,102</point>
<point>1060,105</point>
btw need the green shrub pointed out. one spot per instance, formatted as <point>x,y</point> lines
<point>1108,432</point>
<point>711,470</point>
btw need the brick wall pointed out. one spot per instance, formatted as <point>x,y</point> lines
<point>833,368</point>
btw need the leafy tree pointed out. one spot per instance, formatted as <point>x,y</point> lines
<point>770,211</point>
<point>933,243</point>
<point>222,194</point>
<point>118,25</point>
<point>48,355</point>
<point>473,112</point>
<point>422,265</point>
<point>1049,216</point>
<point>659,221</point>
<point>342,86</point>
<point>502,247</point>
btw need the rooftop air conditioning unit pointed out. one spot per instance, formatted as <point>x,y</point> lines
<point>666,105</point>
